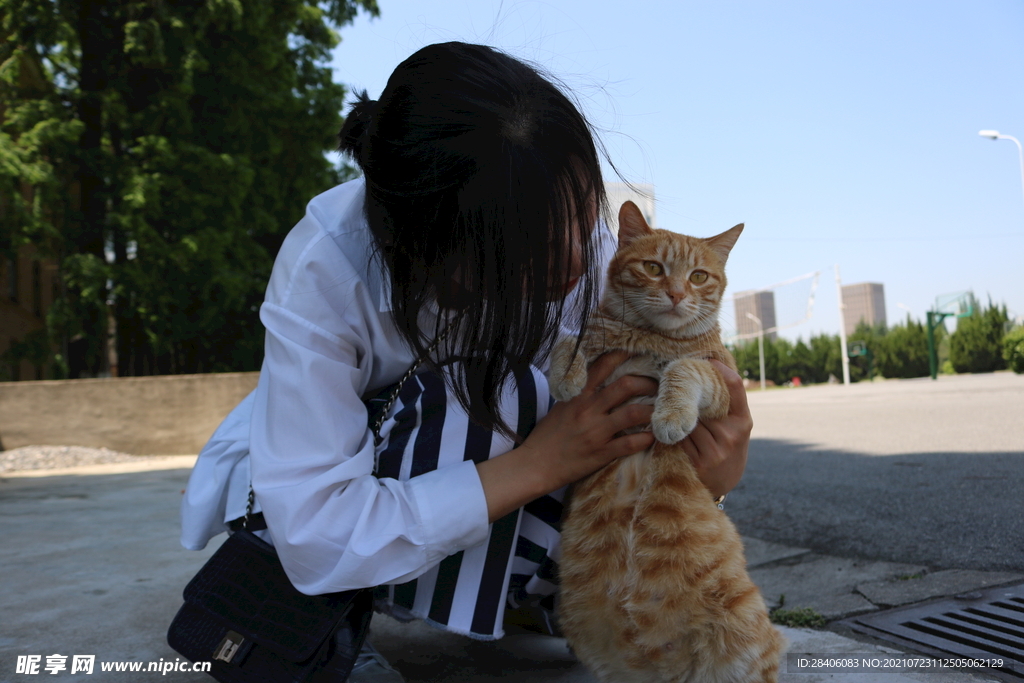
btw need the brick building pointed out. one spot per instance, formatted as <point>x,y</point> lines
<point>758,304</point>
<point>863,301</point>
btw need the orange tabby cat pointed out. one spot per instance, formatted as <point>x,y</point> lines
<point>653,579</point>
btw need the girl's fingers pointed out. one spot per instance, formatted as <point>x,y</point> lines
<point>631,443</point>
<point>703,443</point>
<point>628,416</point>
<point>737,393</point>
<point>691,450</point>
<point>623,389</point>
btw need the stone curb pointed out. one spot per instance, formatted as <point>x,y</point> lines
<point>837,587</point>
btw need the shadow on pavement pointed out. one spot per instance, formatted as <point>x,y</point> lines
<point>948,510</point>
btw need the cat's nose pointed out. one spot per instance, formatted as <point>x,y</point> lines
<point>675,296</point>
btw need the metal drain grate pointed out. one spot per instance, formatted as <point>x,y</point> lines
<point>983,625</point>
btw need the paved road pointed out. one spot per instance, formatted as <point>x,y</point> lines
<point>91,565</point>
<point>915,471</point>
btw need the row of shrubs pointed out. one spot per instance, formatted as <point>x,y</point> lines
<point>983,342</point>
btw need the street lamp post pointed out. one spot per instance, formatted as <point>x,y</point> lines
<point>996,135</point>
<point>760,346</point>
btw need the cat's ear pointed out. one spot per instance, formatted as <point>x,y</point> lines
<point>723,244</point>
<point>631,224</point>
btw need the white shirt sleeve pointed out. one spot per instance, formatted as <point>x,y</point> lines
<point>335,526</point>
<point>218,488</point>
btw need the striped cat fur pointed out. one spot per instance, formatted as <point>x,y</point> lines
<point>654,586</point>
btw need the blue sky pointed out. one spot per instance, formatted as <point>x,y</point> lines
<point>840,133</point>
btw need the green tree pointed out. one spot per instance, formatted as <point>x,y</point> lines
<point>800,363</point>
<point>826,357</point>
<point>976,345</point>
<point>903,351</point>
<point>776,360</point>
<point>1013,350</point>
<point>159,152</point>
<point>871,338</point>
<point>746,356</point>
<point>811,361</point>
<point>748,359</point>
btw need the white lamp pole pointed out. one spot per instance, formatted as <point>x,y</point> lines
<point>996,135</point>
<point>760,346</point>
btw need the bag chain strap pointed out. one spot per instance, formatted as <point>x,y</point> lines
<point>381,417</point>
<point>393,396</point>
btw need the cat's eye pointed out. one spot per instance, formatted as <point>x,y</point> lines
<point>653,268</point>
<point>698,276</point>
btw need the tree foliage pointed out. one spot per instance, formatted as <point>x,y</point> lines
<point>981,343</point>
<point>1013,350</point>
<point>159,152</point>
<point>977,343</point>
<point>904,351</point>
<point>899,351</point>
<point>811,361</point>
<point>869,339</point>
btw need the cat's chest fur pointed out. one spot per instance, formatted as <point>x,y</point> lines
<point>651,352</point>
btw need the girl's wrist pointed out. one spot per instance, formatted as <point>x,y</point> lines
<point>536,470</point>
<point>512,480</point>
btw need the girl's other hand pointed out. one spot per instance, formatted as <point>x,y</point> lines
<point>574,439</point>
<point>581,436</point>
<point>718,448</point>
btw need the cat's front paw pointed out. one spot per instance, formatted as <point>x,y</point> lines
<point>569,386</point>
<point>672,426</point>
<point>568,372</point>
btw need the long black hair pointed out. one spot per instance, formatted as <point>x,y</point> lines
<point>482,178</point>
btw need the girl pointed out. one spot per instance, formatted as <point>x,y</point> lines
<point>477,221</point>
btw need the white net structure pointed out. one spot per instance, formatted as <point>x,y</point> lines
<point>773,308</point>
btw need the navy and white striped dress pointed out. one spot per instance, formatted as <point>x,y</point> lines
<point>467,592</point>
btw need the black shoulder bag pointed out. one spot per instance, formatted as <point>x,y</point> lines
<point>243,614</point>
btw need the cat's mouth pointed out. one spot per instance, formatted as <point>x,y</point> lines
<point>678,315</point>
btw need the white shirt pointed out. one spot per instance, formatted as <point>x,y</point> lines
<point>330,343</point>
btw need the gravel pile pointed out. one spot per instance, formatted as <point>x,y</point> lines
<point>57,457</point>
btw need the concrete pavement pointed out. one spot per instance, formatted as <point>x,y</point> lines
<point>909,471</point>
<point>92,565</point>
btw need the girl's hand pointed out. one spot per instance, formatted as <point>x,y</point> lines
<point>579,435</point>
<point>574,439</point>
<point>718,448</point>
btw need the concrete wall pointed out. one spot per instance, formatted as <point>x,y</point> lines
<point>163,415</point>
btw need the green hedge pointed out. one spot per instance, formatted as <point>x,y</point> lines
<point>1013,350</point>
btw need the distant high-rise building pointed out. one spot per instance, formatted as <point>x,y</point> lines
<point>640,194</point>
<point>759,304</point>
<point>864,301</point>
